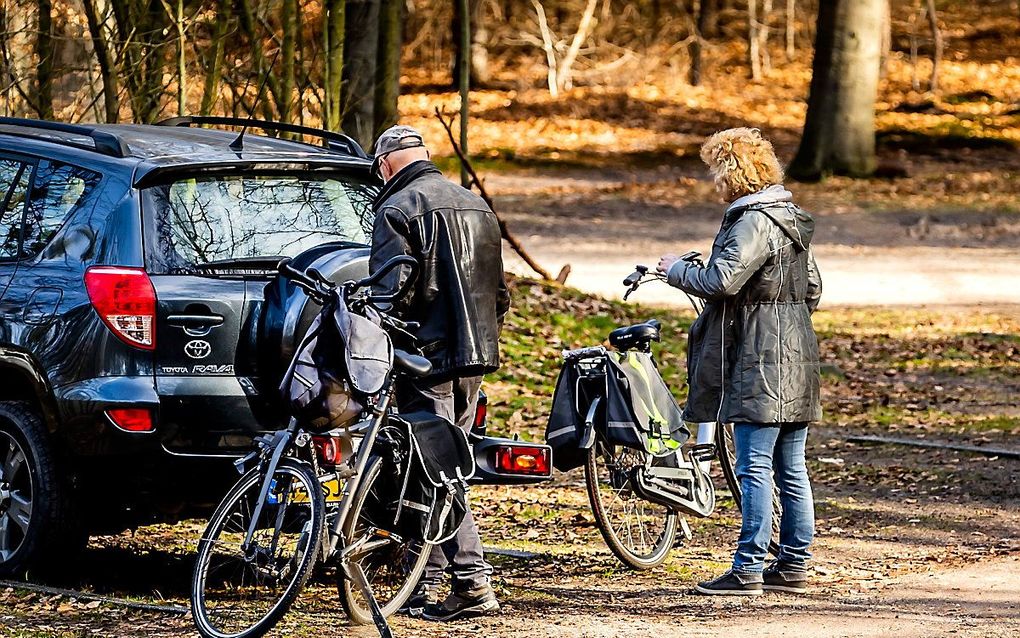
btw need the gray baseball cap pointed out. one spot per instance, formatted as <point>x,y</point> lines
<point>395,138</point>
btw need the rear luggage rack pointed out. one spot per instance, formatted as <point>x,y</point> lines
<point>105,142</point>
<point>334,141</point>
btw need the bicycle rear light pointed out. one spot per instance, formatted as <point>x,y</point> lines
<point>330,449</point>
<point>523,459</point>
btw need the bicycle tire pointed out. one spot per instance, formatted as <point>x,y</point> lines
<point>349,592</point>
<point>727,460</point>
<point>302,571</point>
<point>628,557</point>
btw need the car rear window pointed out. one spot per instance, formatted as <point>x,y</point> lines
<point>221,218</point>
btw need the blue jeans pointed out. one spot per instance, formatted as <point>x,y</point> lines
<point>764,449</point>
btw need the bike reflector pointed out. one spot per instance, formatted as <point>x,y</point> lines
<point>528,460</point>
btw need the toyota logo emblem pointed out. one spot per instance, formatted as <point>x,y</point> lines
<point>197,349</point>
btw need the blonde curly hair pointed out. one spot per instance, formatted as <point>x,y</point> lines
<point>741,162</point>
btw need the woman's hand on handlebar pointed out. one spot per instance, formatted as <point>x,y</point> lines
<point>666,262</point>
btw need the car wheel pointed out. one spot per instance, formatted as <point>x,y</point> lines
<point>35,522</point>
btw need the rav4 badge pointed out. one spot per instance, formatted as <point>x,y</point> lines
<point>197,349</point>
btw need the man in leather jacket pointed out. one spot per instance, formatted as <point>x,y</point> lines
<point>459,299</point>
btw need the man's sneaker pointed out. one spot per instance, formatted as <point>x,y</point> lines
<point>419,600</point>
<point>472,602</point>
<point>779,577</point>
<point>731,584</point>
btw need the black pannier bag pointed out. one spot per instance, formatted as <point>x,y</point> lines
<point>626,401</point>
<point>563,433</point>
<point>432,478</point>
<point>325,390</point>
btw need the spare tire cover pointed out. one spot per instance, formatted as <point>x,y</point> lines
<point>287,311</point>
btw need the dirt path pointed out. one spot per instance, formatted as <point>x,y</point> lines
<point>872,252</point>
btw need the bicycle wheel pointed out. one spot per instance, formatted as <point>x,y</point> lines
<point>393,570</point>
<point>242,592</point>
<point>728,461</point>
<point>639,532</point>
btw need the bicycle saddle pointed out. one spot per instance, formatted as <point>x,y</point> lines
<point>637,335</point>
<point>411,364</point>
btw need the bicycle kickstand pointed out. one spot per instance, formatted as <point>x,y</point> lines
<point>356,574</point>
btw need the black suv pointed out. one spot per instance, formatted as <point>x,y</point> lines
<point>142,325</point>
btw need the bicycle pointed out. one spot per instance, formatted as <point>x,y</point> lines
<point>637,491</point>
<point>266,536</point>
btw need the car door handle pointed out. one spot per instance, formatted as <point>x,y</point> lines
<point>194,321</point>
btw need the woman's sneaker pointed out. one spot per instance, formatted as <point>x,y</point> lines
<point>731,584</point>
<point>779,577</point>
<point>472,602</point>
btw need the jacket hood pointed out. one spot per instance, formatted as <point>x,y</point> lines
<point>798,225</point>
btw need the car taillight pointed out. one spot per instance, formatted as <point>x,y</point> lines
<point>522,459</point>
<point>126,302</point>
<point>481,411</point>
<point>132,419</point>
<point>330,448</point>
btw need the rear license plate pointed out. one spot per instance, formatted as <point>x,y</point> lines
<point>330,488</point>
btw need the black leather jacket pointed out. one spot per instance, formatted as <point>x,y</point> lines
<point>460,295</point>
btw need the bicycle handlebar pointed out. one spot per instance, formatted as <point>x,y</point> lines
<point>320,288</point>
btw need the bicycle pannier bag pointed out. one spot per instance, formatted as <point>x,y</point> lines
<point>640,410</point>
<point>322,387</point>
<point>432,500</point>
<point>563,433</point>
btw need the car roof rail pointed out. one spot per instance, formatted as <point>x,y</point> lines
<point>105,142</point>
<point>335,141</point>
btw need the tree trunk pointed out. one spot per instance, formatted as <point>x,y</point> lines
<point>839,133</point>
<point>211,85</point>
<point>333,32</point>
<point>361,46</point>
<point>701,27</point>
<point>182,63</point>
<point>547,45</point>
<point>791,27</point>
<point>753,57</point>
<point>563,75</point>
<point>387,85</point>
<point>44,56</point>
<point>288,55</point>
<point>763,36</point>
<point>104,56</point>
<point>479,45</point>
<point>249,24</point>
<point>464,76</point>
<point>936,56</point>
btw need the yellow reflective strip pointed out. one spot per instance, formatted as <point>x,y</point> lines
<point>654,412</point>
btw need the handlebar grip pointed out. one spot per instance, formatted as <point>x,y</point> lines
<point>632,279</point>
<point>384,270</point>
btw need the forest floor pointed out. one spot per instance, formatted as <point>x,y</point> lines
<point>911,542</point>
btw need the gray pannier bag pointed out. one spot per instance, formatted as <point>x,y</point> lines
<point>432,477</point>
<point>326,391</point>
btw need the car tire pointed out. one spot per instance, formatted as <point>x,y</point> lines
<point>45,532</point>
